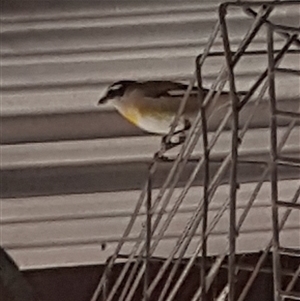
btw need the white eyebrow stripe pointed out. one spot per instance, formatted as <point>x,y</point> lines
<point>115,87</point>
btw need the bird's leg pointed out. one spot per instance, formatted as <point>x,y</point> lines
<point>181,138</point>
<point>167,145</point>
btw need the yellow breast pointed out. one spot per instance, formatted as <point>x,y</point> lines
<point>132,115</point>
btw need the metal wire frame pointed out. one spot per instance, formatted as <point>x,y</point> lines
<point>264,255</point>
<point>181,161</point>
<point>276,261</point>
<point>225,291</point>
<point>154,226</point>
<point>243,216</point>
<point>196,123</point>
<point>274,172</point>
<point>249,11</point>
<point>226,288</point>
<point>170,256</point>
<point>275,161</point>
<point>178,161</point>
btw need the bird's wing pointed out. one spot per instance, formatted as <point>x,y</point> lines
<point>158,89</point>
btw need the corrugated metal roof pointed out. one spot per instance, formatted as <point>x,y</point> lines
<point>70,229</point>
<point>61,199</point>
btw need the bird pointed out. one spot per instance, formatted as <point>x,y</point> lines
<point>153,105</point>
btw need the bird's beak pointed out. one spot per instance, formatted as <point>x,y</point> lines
<point>103,100</point>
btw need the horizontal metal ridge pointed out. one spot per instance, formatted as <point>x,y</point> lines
<point>91,250</point>
<point>146,15</point>
<point>64,116</point>
<point>90,241</point>
<point>115,150</point>
<point>73,10</point>
<point>119,204</point>
<point>120,164</point>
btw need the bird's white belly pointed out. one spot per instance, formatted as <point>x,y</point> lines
<point>151,123</point>
<point>155,125</point>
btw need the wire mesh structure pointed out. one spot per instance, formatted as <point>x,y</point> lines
<point>137,263</point>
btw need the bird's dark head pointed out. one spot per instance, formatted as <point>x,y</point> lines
<point>115,91</point>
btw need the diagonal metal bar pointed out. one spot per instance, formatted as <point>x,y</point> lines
<point>249,11</point>
<point>266,251</point>
<point>179,161</point>
<point>249,36</point>
<point>293,280</point>
<point>238,55</point>
<point>218,262</point>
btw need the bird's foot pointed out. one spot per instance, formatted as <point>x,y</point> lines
<point>160,157</point>
<point>177,140</point>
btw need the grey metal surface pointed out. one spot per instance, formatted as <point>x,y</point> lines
<point>67,202</point>
<point>70,229</point>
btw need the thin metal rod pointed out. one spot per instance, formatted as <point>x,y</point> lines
<point>274,172</point>
<point>234,155</point>
<point>288,70</point>
<point>288,205</point>
<point>293,280</point>
<point>289,251</point>
<point>179,162</point>
<point>169,218</point>
<point>277,59</point>
<point>191,261</point>
<point>290,161</point>
<point>265,253</point>
<point>252,52</point>
<point>205,184</point>
<point>252,13</point>
<point>191,224</point>
<point>217,265</point>
<point>286,47</point>
<point>148,239</point>
<point>214,184</point>
<point>261,3</point>
<point>243,216</point>
<point>112,259</point>
<point>290,295</point>
<point>288,114</point>
<point>186,149</point>
<point>214,222</point>
<point>165,186</point>
<point>249,36</point>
